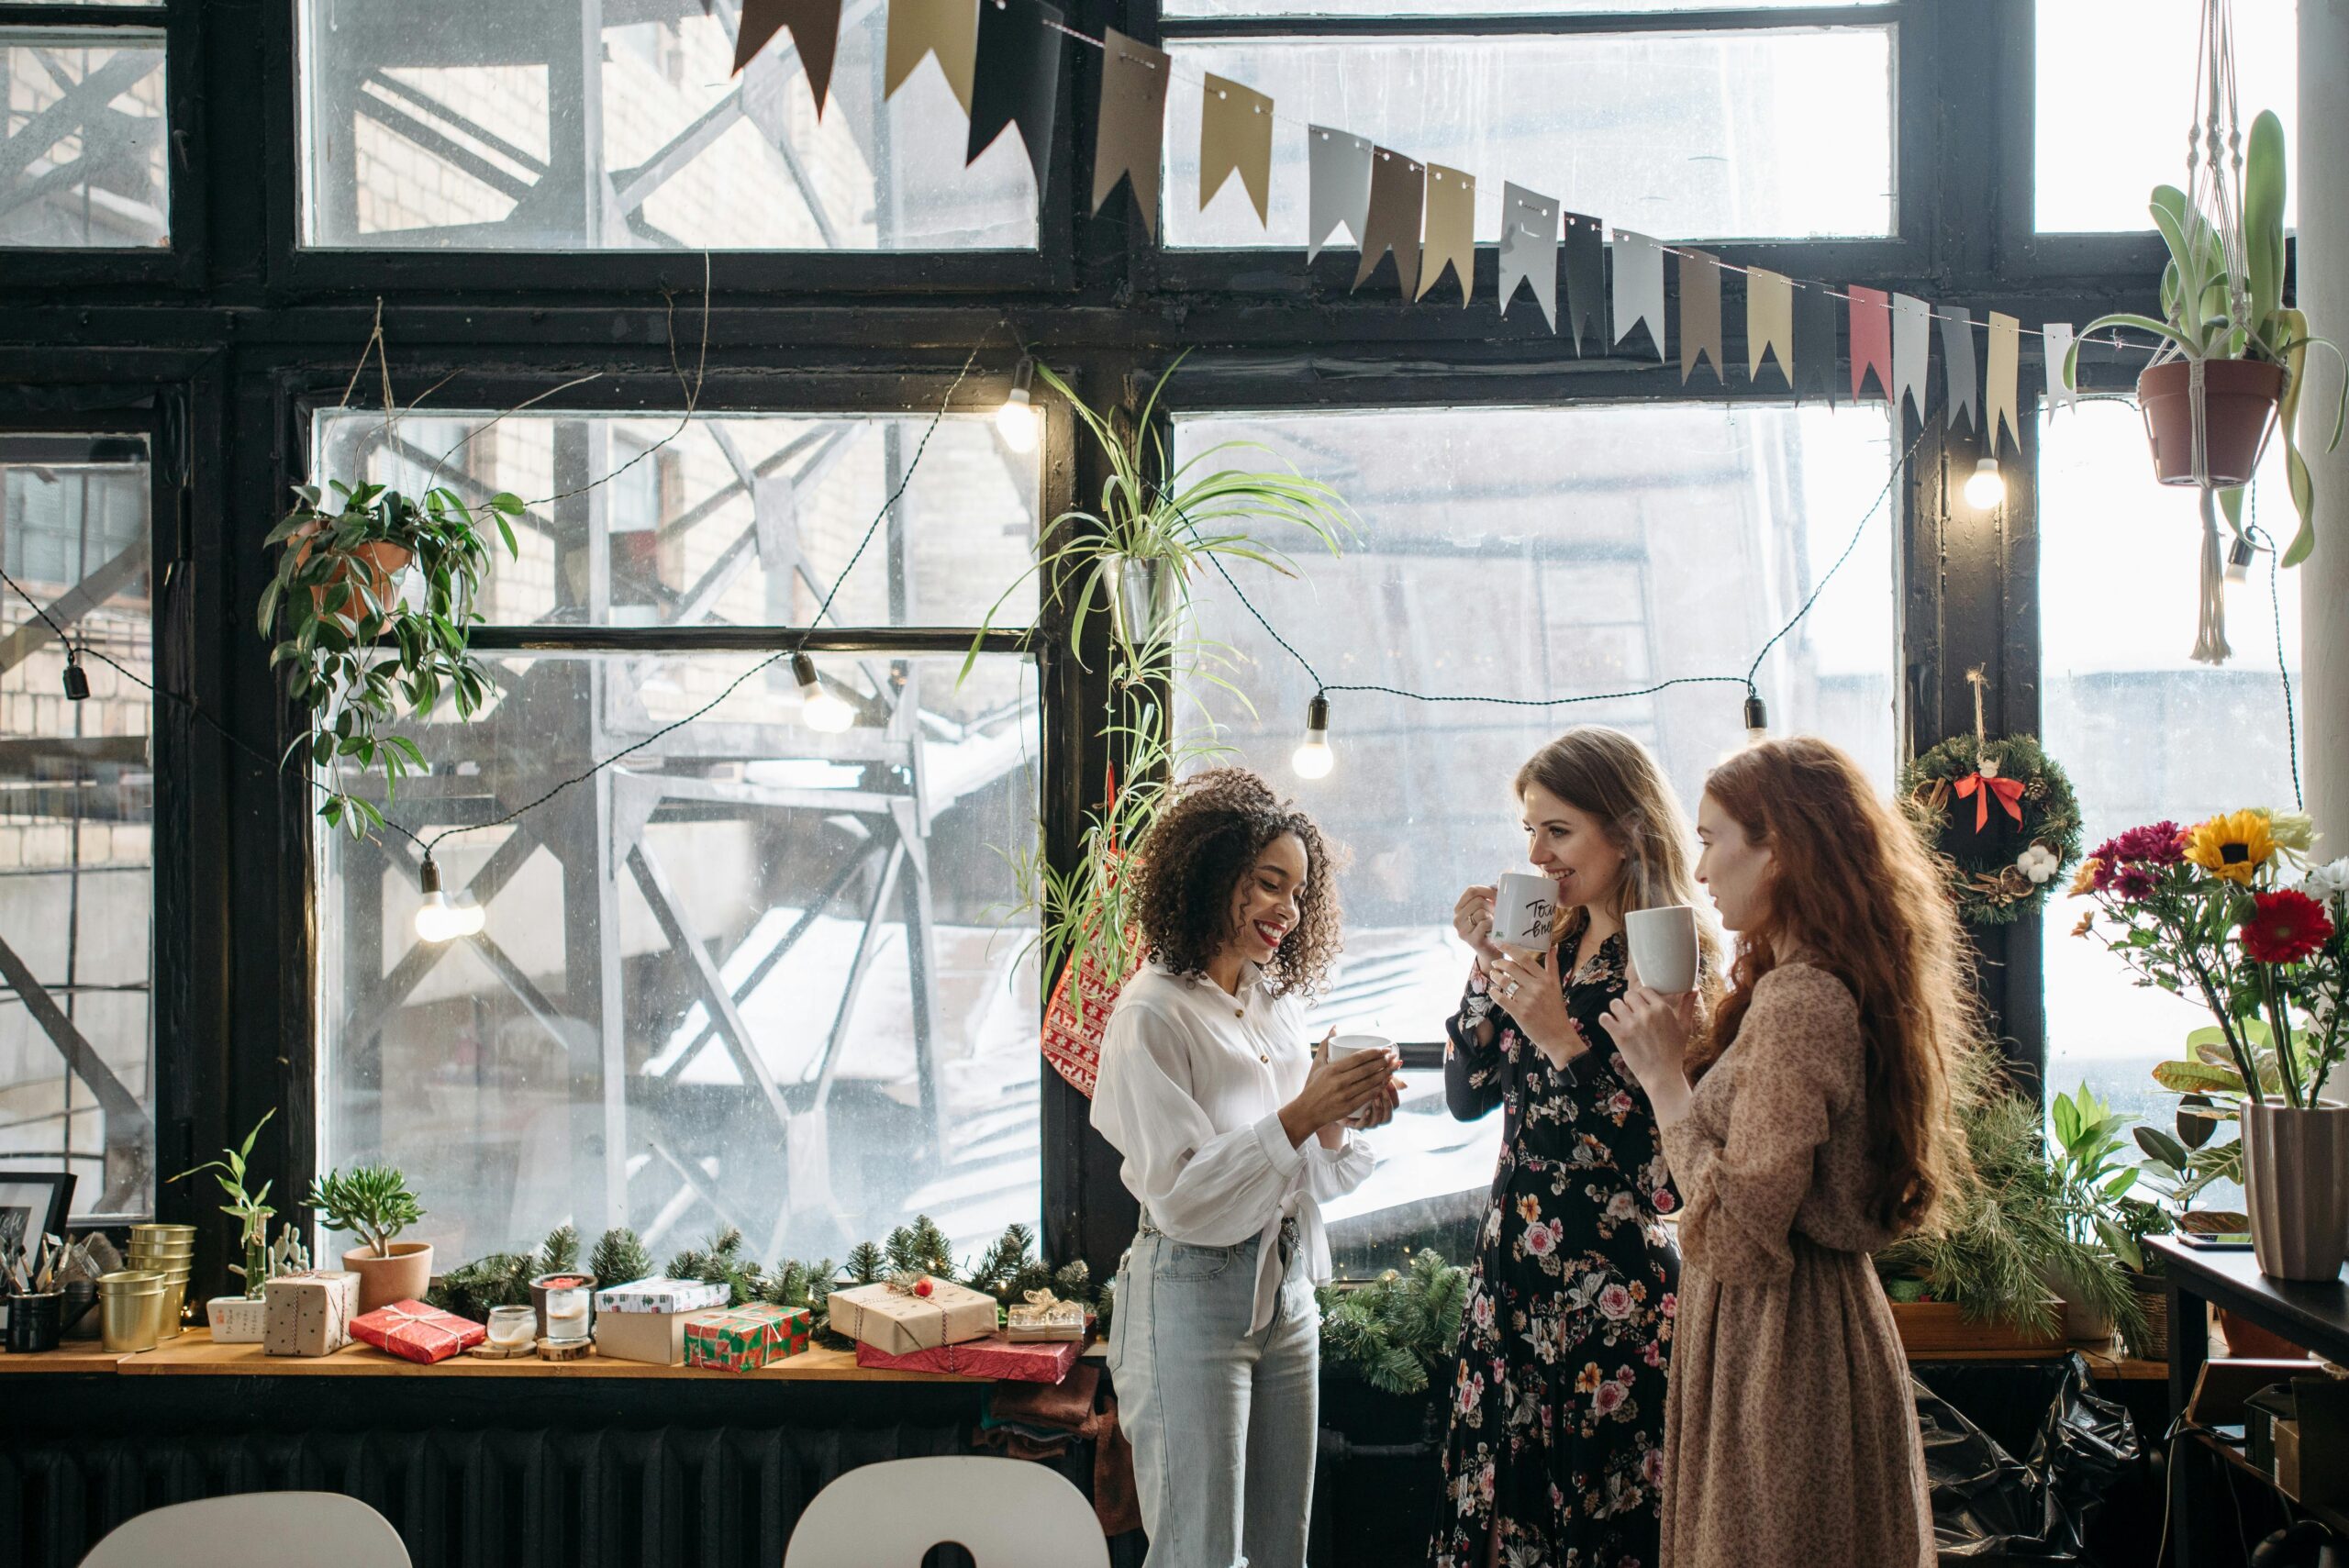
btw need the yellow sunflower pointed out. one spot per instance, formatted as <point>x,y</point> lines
<point>2233,845</point>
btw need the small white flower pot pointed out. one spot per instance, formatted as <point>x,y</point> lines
<point>237,1319</point>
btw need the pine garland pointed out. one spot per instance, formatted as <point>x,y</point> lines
<point>1399,1329</point>
<point>619,1258</point>
<point>1991,885</point>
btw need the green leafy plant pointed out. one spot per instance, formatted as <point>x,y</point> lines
<point>250,1210</point>
<point>559,1253</point>
<point>357,654</point>
<point>619,1258</point>
<point>372,1202</point>
<point>1400,1328</point>
<point>2223,298</point>
<point>721,1262</point>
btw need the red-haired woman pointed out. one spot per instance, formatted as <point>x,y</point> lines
<point>1809,1127</point>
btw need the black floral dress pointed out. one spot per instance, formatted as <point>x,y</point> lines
<point>1557,1400</point>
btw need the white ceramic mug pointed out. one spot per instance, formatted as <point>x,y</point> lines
<point>1525,912</point>
<point>1664,947</point>
<point>1347,1045</point>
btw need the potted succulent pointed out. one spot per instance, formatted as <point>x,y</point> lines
<point>360,648</point>
<point>239,1319</point>
<point>372,1202</point>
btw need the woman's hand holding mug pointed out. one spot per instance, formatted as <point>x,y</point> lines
<point>1335,1090</point>
<point>1527,986</point>
<point>1651,1030</point>
<point>1471,919</point>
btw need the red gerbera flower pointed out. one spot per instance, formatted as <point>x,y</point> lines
<point>2284,927</point>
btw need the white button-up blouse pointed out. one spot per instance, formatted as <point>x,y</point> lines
<point>1190,1089</point>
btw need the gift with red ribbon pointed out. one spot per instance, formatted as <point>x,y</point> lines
<point>413,1331</point>
<point>743,1339</point>
<point>997,1356</point>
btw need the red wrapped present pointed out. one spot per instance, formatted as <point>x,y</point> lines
<point>995,1356</point>
<point>743,1339</point>
<point>413,1331</point>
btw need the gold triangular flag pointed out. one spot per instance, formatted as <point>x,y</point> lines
<point>1769,322</point>
<point>1131,123</point>
<point>1236,137</point>
<point>2005,370</point>
<point>1450,230</point>
<point>947,28</point>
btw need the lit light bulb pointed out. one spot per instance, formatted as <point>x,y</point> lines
<point>2239,556</point>
<point>1985,489</point>
<point>440,918</point>
<point>818,708</point>
<point>1015,420</point>
<point>1313,760</point>
<point>1757,719</point>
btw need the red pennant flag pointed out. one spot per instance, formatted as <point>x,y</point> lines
<point>1871,339</point>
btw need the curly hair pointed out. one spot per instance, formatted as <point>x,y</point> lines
<point>1205,840</point>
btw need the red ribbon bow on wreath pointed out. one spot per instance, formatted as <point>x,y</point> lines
<point>1979,789</point>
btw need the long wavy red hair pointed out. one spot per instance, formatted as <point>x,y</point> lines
<point>1853,889</point>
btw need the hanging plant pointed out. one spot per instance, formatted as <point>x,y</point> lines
<point>371,609</point>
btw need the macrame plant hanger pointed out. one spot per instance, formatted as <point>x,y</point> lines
<point>2214,196</point>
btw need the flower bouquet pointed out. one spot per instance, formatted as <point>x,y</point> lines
<point>2230,913</point>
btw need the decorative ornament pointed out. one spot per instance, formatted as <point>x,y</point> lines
<point>1999,814</point>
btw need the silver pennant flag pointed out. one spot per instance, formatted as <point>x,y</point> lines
<point>1529,249</point>
<point>1338,163</point>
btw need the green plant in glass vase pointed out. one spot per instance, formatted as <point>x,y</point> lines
<point>370,611</point>
<point>250,1210</point>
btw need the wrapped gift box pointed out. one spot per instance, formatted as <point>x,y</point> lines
<point>900,1323</point>
<point>995,1356</point>
<point>657,1338</point>
<point>413,1331</point>
<point>662,1295</point>
<point>309,1314</point>
<point>1044,1316</point>
<point>743,1338</point>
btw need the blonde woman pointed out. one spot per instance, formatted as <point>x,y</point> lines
<point>1557,1446</point>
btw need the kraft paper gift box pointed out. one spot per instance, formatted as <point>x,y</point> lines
<point>413,1331</point>
<point>997,1356</point>
<point>645,1320</point>
<point>743,1339</point>
<point>309,1314</point>
<point>900,1323</point>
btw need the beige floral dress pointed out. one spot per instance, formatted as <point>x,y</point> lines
<point>1791,1432</point>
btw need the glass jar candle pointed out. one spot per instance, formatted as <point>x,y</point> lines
<point>567,1307</point>
<point>513,1328</point>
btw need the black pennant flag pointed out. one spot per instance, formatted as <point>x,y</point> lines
<point>1814,340</point>
<point>1016,78</point>
<point>1586,279</point>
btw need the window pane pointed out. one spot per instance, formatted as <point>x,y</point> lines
<point>2101,153</point>
<point>843,890</point>
<point>2145,732</point>
<point>744,520</point>
<point>1682,135</point>
<point>1531,554</point>
<point>77,809</point>
<point>471,128</point>
<point>82,157</point>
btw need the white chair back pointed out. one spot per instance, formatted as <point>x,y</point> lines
<point>251,1527</point>
<point>1008,1513</point>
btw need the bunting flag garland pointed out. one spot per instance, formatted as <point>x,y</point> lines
<point>1700,314</point>
<point>1236,137</point>
<point>1529,249</point>
<point>1131,123</point>
<point>1397,189</point>
<point>1912,321</point>
<point>946,29</point>
<point>1769,323</point>
<point>1586,279</point>
<point>1338,171</point>
<point>2002,374</point>
<point>1451,231</point>
<point>1016,78</point>
<point>1957,363</point>
<point>1638,288</point>
<point>814,31</point>
<point>1814,341</point>
<point>1871,341</point>
<point>2060,394</point>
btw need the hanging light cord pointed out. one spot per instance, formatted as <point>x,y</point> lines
<point>2259,536</point>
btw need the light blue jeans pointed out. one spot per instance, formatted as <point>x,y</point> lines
<point>1223,1422</point>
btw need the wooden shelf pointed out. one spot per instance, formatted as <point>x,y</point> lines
<point>193,1354</point>
<point>2332,1519</point>
<point>74,1355</point>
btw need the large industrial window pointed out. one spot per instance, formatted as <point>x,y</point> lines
<point>81,163</point>
<point>752,975</point>
<point>1533,554</point>
<point>77,811</point>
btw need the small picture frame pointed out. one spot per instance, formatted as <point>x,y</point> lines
<point>33,1204</point>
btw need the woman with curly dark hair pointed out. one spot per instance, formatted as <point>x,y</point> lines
<point>1234,1130</point>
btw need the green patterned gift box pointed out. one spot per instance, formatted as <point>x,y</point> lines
<point>743,1339</point>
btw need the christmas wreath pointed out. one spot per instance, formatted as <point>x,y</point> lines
<point>2003,818</point>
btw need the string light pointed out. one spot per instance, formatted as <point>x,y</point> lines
<point>1985,487</point>
<point>1757,719</point>
<point>1313,760</point>
<point>818,707</point>
<point>2239,558</point>
<point>440,918</point>
<point>1014,421</point>
<point>77,680</point>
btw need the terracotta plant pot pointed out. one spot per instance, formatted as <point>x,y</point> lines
<point>2296,1184</point>
<point>2238,399</point>
<point>2247,1340</point>
<point>406,1275</point>
<point>383,563</point>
